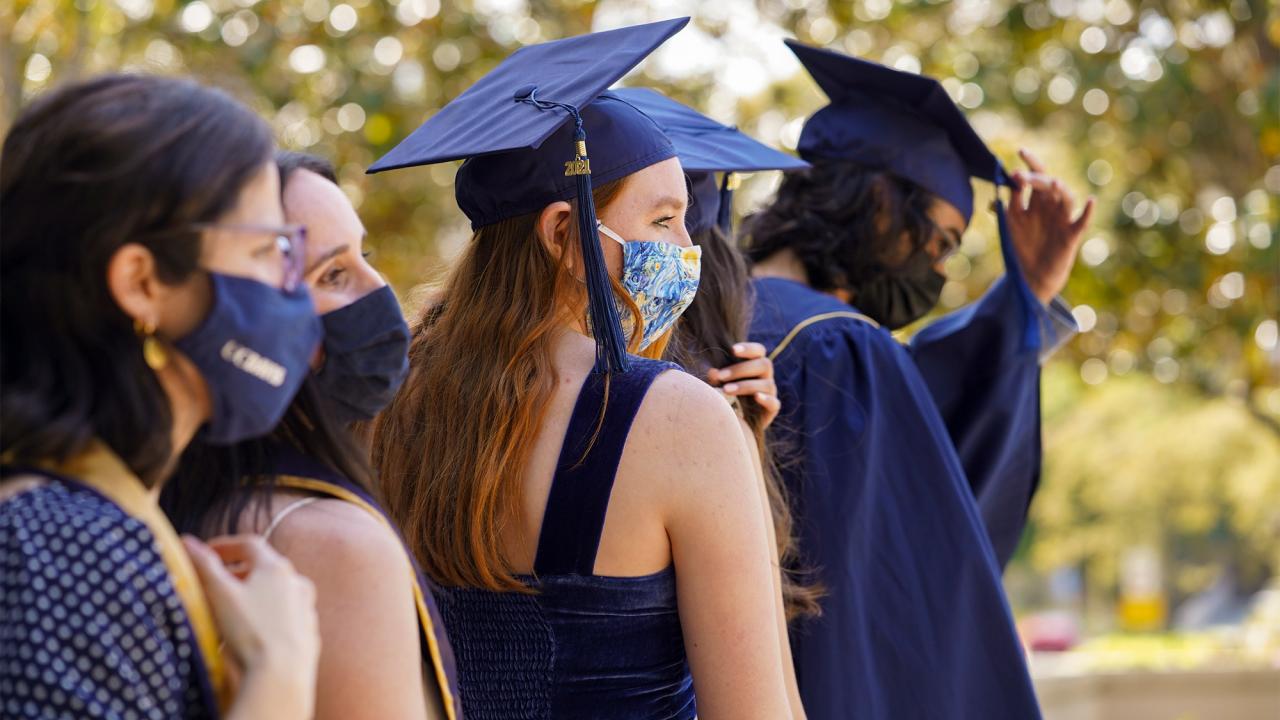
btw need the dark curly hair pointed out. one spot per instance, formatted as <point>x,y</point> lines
<point>841,220</point>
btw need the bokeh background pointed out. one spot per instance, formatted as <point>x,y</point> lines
<point>1155,539</point>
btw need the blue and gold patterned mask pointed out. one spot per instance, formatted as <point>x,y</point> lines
<point>661,278</point>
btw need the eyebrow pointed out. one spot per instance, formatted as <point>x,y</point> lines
<point>671,201</point>
<point>332,253</point>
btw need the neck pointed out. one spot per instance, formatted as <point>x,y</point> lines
<point>189,405</point>
<point>782,264</point>
<point>573,348</point>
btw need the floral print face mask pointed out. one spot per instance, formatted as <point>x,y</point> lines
<point>661,278</point>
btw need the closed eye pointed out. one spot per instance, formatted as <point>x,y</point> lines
<point>662,221</point>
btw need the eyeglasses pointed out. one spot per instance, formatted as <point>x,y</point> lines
<point>291,241</point>
<point>950,242</point>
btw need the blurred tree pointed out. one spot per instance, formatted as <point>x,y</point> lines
<point>1170,113</point>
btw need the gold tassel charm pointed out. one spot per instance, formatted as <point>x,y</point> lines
<point>580,164</point>
<point>577,166</point>
<point>153,353</point>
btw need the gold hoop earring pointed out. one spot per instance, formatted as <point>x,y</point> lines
<point>153,353</point>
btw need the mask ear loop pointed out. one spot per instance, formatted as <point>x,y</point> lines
<point>610,233</point>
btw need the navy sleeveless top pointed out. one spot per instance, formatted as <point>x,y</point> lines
<point>582,646</point>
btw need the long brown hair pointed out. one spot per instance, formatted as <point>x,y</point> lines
<point>704,339</point>
<point>452,447</point>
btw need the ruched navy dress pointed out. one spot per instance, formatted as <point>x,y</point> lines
<point>582,645</point>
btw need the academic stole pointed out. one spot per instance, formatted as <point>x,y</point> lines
<point>323,487</point>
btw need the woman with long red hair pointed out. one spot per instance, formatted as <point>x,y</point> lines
<point>592,518</point>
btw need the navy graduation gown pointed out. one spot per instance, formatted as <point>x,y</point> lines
<point>985,383</point>
<point>915,624</point>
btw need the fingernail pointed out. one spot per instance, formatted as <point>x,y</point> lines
<point>731,387</point>
<point>739,347</point>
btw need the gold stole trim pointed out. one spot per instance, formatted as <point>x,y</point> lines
<point>817,319</point>
<point>424,616</point>
<point>99,468</point>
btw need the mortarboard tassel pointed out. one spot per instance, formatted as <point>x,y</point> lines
<point>611,345</point>
<point>1030,314</point>
<point>602,308</point>
<point>724,216</point>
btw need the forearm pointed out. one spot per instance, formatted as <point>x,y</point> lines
<point>271,690</point>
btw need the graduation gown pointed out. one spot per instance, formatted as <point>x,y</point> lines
<point>915,624</point>
<point>985,382</point>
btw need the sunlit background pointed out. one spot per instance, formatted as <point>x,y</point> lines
<point>1155,540</point>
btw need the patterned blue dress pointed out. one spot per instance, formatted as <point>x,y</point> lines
<point>91,625</point>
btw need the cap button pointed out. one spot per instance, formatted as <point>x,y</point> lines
<point>525,91</point>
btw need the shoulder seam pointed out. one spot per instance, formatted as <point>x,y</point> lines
<point>813,320</point>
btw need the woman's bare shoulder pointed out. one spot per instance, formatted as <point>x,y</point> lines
<point>680,406</point>
<point>346,551</point>
<point>686,431</point>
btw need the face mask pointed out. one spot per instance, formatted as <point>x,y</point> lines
<point>661,278</point>
<point>253,350</point>
<point>366,355</point>
<point>898,298</point>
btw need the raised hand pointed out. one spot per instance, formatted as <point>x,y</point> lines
<point>266,615</point>
<point>1045,236</point>
<point>753,377</point>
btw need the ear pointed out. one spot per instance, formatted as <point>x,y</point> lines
<point>132,282</point>
<point>552,227</point>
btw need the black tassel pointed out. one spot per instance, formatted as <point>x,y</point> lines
<point>724,217</point>
<point>606,327</point>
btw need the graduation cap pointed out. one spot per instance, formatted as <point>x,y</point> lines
<point>907,125</point>
<point>706,147</point>
<point>524,130</point>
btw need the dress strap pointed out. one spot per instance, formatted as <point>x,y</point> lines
<point>280,516</point>
<point>593,445</point>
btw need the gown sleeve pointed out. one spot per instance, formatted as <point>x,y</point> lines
<point>986,385</point>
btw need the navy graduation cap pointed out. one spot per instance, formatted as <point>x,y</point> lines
<point>706,147</point>
<point>906,124</point>
<point>524,131</point>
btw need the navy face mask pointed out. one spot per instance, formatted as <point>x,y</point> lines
<point>253,350</point>
<point>366,355</point>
